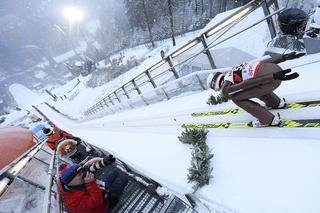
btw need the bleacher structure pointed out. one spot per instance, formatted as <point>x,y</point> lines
<point>28,185</point>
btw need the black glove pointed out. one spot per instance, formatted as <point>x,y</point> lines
<point>108,159</point>
<point>282,75</point>
<point>292,55</point>
<point>77,139</point>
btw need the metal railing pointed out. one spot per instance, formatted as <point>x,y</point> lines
<point>25,157</point>
<point>193,82</point>
<point>47,198</point>
<point>173,67</point>
<point>15,173</point>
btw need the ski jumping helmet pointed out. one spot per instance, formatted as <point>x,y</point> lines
<point>47,131</point>
<point>67,147</point>
<point>215,80</point>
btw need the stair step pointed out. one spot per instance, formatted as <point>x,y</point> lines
<point>137,198</point>
<point>175,204</point>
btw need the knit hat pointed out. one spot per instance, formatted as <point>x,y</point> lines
<point>47,131</point>
<point>68,172</point>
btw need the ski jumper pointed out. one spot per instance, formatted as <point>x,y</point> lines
<point>254,80</point>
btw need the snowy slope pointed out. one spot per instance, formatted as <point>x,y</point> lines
<point>255,170</point>
<point>23,96</point>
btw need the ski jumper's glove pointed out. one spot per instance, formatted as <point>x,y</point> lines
<point>108,159</point>
<point>292,55</point>
<point>284,76</point>
<point>77,139</point>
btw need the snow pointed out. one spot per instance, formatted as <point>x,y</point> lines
<point>13,118</point>
<point>92,26</point>
<point>255,170</point>
<point>40,74</point>
<point>268,170</point>
<point>64,57</point>
<point>23,96</point>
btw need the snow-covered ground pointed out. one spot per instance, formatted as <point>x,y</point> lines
<point>23,96</point>
<point>255,170</point>
<point>270,170</point>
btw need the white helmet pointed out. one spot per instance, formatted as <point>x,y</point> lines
<point>214,81</point>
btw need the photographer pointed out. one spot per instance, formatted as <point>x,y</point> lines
<point>79,190</point>
<point>114,179</point>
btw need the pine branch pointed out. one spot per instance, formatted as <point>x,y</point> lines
<point>200,170</point>
<point>193,136</point>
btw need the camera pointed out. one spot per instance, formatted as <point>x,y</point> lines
<point>93,168</point>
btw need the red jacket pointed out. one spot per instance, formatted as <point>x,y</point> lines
<point>56,136</point>
<point>87,200</point>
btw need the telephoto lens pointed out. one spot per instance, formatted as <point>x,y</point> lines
<point>101,163</point>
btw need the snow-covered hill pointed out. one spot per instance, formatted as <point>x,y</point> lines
<point>268,170</point>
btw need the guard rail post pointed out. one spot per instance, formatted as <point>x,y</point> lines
<point>136,87</point>
<point>266,11</point>
<point>150,79</point>
<point>115,94</point>
<point>207,51</point>
<point>172,69</point>
<point>110,100</point>
<point>125,92</point>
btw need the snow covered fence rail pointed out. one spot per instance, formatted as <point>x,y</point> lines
<point>170,67</point>
<point>193,82</point>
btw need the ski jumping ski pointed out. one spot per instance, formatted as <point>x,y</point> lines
<point>293,105</point>
<point>287,123</point>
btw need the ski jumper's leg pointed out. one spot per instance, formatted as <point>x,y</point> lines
<point>261,113</point>
<point>264,92</point>
<point>271,100</point>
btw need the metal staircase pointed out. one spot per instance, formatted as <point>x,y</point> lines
<point>30,187</point>
<point>24,181</point>
<point>138,198</point>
